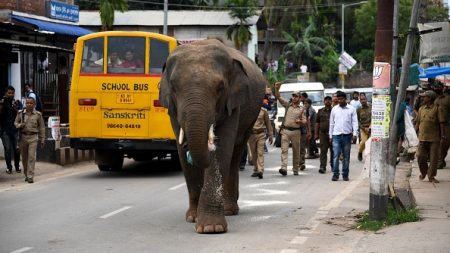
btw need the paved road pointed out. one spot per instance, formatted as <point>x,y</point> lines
<point>141,209</point>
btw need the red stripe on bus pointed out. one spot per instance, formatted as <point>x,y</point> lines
<point>123,75</point>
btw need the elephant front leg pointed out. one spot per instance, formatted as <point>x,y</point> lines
<point>210,212</point>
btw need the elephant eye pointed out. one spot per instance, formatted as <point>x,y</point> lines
<point>220,87</point>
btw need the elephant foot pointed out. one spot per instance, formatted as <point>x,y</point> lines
<point>191,215</point>
<point>231,209</point>
<point>211,225</point>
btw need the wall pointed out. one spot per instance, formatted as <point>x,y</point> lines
<point>36,7</point>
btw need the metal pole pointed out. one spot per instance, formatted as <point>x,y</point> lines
<point>342,28</point>
<point>403,85</point>
<point>165,17</point>
<point>381,104</point>
<point>393,140</point>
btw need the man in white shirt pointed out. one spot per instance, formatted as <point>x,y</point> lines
<point>343,130</point>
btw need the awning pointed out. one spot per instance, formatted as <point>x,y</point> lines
<point>434,71</point>
<point>50,27</point>
<point>31,44</point>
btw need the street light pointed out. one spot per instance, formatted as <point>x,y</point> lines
<point>342,32</point>
<point>342,21</point>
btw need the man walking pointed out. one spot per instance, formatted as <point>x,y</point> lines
<point>322,128</point>
<point>443,101</point>
<point>257,140</point>
<point>9,134</point>
<point>364,120</point>
<point>32,130</point>
<point>343,130</point>
<point>294,118</point>
<point>305,133</point>
<point>430,126</point>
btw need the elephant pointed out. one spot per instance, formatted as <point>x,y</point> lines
<point>213,94</point>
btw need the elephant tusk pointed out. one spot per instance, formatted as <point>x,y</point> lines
<point>181,136</point>
<point>211,137</point>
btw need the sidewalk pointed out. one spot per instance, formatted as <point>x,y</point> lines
<point>44,171</point>
<point>335,231</point>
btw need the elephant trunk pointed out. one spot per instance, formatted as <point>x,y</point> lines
<point>196,133</point>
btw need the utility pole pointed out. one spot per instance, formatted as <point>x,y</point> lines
<point>403,85</point>
<point>166,3</point>
<point>381,106</point>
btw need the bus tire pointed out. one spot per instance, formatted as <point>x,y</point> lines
<point>108,161</point>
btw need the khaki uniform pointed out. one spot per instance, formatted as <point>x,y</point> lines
<point>290,133</point>
<point>429,119</point>
<point>364,121</point>
<point>444,104</point>
<point>32,130</point>
<point>257,138</point>
<point>323,122</point>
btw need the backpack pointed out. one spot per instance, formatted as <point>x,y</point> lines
<point>38,102</point>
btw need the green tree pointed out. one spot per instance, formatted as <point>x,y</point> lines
<point>362,43</point>
<point>302,47</point>
<point>241,10</point>
<point>107,9</point>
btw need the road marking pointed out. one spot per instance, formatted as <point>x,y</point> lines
<point>115,212</point>
<point>288,251</point>
<point>177,186</point>
<point>312,224</point>
<point>299,240</point>
<point>252,203</point>
<point>22,250</point>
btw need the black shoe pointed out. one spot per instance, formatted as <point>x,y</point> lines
<point>335,178</point>
<point>242,168</point>
<point>345,178</point>
<point>360,157</point>
<point>26,179</point>
<point>18,170</point>
<point>30,180</point>
<point>322,171</point>
<point>295,173</point>
<point>260,175</point>
<point>283,172</point>
<point>303,167</point>
<point>255,174</point>
<point>9,171</point>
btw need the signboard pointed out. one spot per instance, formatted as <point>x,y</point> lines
<point>346,60</point>
<point>435,46</point>
<point>62,11</point>
<point>381,75</point>
<point>381,107</point>
<point>303,77</point>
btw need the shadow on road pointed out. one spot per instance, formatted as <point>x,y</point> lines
<point>139,169</point>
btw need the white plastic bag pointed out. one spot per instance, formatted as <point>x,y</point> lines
<point>411,141</point>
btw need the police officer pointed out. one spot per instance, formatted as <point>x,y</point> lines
<point>257,139</point>
<point>294,118</point>
<point>430,126</point>
<point>364,120</point>
<point>443,101</point>
<point>322,127</point>
<point>32,130</point>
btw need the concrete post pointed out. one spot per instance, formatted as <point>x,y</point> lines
<point>381,111</point>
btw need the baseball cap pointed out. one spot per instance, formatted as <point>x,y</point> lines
<point>297,93</point>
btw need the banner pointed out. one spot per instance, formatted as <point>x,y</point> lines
<point>435,46</point>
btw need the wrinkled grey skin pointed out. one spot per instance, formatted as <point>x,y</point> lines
<point>207,83</point>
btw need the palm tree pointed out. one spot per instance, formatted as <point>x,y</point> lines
<point>304,47</point>
<point>107,9</point>
<point>240,31</point>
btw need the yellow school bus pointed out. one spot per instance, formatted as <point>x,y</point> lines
<point>114,106</point>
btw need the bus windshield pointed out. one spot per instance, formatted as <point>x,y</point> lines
<point>315,96</point>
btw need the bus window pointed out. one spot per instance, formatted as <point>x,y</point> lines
<point>126,54</point>
<point>159,51</point>
<point>92,61</point>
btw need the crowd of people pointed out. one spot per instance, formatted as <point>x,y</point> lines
<point>340,123</point>
<point>21,130</point>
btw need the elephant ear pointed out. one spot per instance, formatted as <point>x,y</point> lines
<point>164,89</point>
<point>238,85</point>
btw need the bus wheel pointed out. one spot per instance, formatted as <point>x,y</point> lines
<point>108,161</point>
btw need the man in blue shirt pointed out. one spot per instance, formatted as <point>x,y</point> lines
<point>343,130</point>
